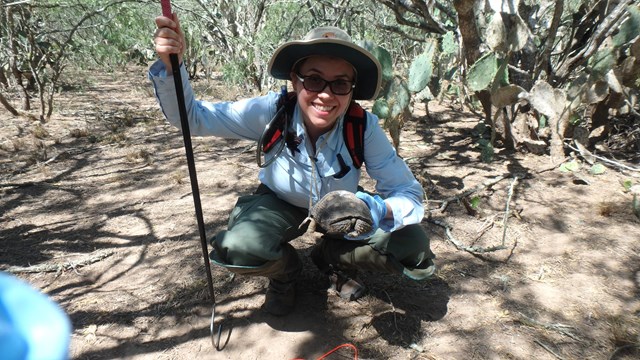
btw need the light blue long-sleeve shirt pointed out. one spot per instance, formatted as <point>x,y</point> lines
<point>291,175</point>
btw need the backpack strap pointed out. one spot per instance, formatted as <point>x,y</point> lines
<point>355,124</point>
<point>286,104</point>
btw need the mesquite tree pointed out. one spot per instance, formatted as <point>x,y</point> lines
<point>542,71</point>
<point>42,37</point>
<point>237,38</point>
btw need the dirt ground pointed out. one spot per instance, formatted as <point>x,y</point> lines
<point>96,211</point>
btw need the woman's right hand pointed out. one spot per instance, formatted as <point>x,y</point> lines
<point>169,39</point>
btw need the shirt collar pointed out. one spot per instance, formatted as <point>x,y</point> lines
<point>334,136</point>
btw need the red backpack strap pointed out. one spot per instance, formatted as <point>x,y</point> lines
<point>355,124</point>
<point>286,101</point>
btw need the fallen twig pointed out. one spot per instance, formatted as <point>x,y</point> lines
<point>561,328</point>
<point>54,158</point>
<point>553,166</point>
<point>548,349</point>
<point>506,211</point>
<point>60,266</point>
<point>236,163</point>
<point>588,156</point>
<point>27,184</point>
<point>474,189</point>
<point>459,245</point>
<point>488,224</point>
<point>393,310</point>
<point>64,153</point>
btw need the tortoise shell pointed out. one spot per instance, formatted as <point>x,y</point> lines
<point>342,213</point>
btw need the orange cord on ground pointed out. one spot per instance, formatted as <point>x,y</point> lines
<point>355,352</point>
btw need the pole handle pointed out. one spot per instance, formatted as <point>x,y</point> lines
<point>166,8</point>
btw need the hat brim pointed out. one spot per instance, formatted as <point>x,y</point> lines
<point>368,78</point>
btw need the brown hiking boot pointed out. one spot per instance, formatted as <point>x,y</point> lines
<point>344,282</point>
<point>347,285</point>
<point>280,299</point>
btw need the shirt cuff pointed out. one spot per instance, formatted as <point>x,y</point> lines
<point>404,213</point>
<point>158,70</point>
<point>388,225</point>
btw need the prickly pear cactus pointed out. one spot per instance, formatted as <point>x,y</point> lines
<point>421,69</point>
<point>381,108</point>
<point>398,96</point>
<point>384,58</point>
<point>482,72</point>
<point>394,101</point>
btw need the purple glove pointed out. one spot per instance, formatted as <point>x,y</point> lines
<point>378,211</point>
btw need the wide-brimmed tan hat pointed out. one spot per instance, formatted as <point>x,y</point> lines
<point>330,41</point>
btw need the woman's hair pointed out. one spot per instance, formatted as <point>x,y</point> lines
<point>298,64</point>
<point>296,67</point>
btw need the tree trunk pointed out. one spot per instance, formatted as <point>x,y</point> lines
<point>471,44</point>
<point>468,29</point>
<point>559,125</point>
<point>8,106</point>
<point>3,78</point>
<point>545,59</point>
<point>503,130</point>
<point>13,55</point>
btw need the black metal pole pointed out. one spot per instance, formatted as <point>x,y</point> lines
<point>186,135</point>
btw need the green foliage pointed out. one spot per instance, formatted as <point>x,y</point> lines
<point>44,37</point>
<point>393,100</point>
<point>602,61</point>
<point>542,122</point>
<point>475,202</point>
<point>381,108</point>
<point>570,166</point>
<point>481,130</point>
<point>629,29</point>
<point>597,169</point>
<point>234,72</point>
<point>576,119</point>
<point>486,150</point>
<point>502,74</point>
<point>482,72</point>
<point>383,56</point>
<point>111,36</point>
<point>398,96</point>
<point>562,68</point>
<point>449,45</point>
<point>395,96</point>
<point>237,39</point>
<point>422,68</point>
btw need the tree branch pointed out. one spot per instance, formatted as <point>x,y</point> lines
<point>8,106</point>
<point>397,30</point>
<point>459,245</point>
<point>606,27</point>
<point>58,267</point>
<point>418,8</point>
<point>545,58</point>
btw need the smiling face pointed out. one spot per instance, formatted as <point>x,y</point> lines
<point>320,110</point>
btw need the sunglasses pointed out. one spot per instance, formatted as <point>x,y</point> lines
<point>315,83</point>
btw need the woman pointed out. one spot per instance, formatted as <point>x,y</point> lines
<point>327,71</point>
